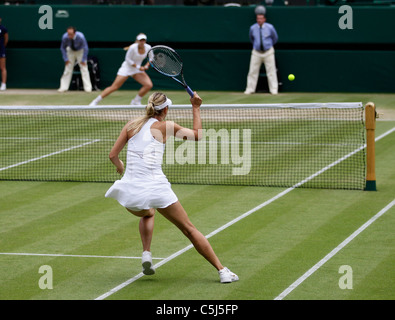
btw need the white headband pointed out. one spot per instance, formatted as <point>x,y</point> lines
<point>163,105</point>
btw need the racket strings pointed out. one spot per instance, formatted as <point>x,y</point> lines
<point>165,61</point>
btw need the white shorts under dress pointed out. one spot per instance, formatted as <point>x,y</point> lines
<point>131,195</point>
<point>144,185</point>
<point>127,70</point>
<point>133,56</point>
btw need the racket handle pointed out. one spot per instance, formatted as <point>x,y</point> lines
<point>189,90</point>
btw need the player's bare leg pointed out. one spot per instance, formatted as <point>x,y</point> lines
<point>177,215</point>
<point>118,82</point>
<point>3,70</point>
<point>146,83</point>
<point>146,228</point>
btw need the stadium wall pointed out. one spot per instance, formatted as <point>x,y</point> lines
<point>214,44</point>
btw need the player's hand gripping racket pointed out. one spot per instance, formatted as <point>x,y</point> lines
<point>166,61</point>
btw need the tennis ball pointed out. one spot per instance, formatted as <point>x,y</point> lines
<point>291,77</point>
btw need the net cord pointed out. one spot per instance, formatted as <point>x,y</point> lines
<point>335,105</point>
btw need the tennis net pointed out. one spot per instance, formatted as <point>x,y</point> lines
<point>256,145</point>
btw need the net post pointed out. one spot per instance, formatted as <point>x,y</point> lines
<point>370,125</point>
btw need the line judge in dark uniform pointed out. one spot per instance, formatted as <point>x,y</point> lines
<point>74,47</point>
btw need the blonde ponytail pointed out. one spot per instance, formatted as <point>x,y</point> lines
<point>155,99</point>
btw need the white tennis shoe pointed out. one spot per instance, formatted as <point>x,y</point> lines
<point>227,276</point>
<point>146,261</point>
<point>136,101</point>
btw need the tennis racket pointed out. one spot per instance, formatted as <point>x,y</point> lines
<point>166,61</point>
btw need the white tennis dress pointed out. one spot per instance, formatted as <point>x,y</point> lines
<point>133,56</point>
<point>144,184</point>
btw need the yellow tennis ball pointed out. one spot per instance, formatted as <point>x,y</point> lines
<point>291,77</point>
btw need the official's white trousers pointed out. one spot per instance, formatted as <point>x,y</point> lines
<point>257,58</point>
<point>65,80</point>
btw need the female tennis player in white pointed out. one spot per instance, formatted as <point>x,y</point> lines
<point>131,67</point>
<point>144,187</point>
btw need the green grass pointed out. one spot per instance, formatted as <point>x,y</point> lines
<point>269,249</point>
<point>52,97</point>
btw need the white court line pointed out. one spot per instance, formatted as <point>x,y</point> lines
<point>49,155</point>
<point>320,263</point>
<point>246,214</point>
<point>42,138</point>
<point>68,255</point>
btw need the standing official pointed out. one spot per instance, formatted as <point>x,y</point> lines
<point>74,47</point>
<point>263,37</point>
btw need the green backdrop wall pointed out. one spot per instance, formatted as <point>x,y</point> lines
<point>214,44</point>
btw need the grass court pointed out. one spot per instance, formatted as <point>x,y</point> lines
<point>283,243</point>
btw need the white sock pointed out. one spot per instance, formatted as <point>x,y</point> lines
<point>98,99</point>
<point>95,101</point>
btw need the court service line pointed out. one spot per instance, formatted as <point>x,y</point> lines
<point>320,263</point>
<point>69,255</point>
<point>49,154</point>
<point>244,215</point>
